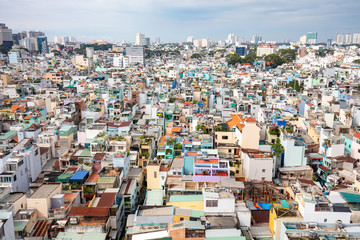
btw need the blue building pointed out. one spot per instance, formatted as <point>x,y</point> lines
<point>241,50</point>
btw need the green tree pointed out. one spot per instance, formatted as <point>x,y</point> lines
<point>356,61</point>
<point>4,49</point>
<point>274,60</point>
<point>233,59</point>
<point>288,55</point>
<point>277,147</point>
<point>250,58</point>
<point>171,100</point>
<point>196,56</point>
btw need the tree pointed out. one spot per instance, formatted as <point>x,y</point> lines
<point>250,58</point>
<point>324,52</point>
<point>171,100</point>
<point>277,148</point>
<point>233,59</point>
<point>274,60</point>
<point>356,61</point>
<point>196,56</point>
<point>4,49</point>
<point>288,55</point>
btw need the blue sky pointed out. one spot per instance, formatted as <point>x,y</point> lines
<point>173,21</point>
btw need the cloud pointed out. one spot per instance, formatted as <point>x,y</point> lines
<point>175,20</point>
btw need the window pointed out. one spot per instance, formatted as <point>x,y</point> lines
<point>211,203</point>
<point>237,171</point>
<point>325,219</point>
<point>155,174</point>
<point>263,170</point>
<point>229,150</point>
<point>263,178</point>
<point>224,137</point>
<point>144,163</point>
<point>181,219</point>
<point>14,178</point>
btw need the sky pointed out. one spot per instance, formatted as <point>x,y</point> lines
<point>174,21</point>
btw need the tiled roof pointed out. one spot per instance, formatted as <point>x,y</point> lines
<point>89,212</point>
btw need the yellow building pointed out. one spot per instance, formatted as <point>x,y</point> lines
<point>181,214</point>
<point>153,178</point>
<point>280,214</point>
<point>195,202</point>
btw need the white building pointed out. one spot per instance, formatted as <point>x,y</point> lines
<point>90,52</point>
<point>257,165</point>
<point>14,57</point>
<point>348,38</point>
<point>140,39</point>
<point>218,201</point>
<point>356,38</point>
<point>190,39</point>
<point>135,54</point>
<point>265,49</point>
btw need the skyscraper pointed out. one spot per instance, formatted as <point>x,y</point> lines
<point>348,38</point>
<point>140,39</point>
<point>190,39</point>
<point>256,38</point>
<point>232,38</point>
<point>356,38</point>
<point>339,38</point>
<point>41,44</point>
<point>311,37</point>
<point>5,35</point>
<point>56,39</point>
<point>157,40</point>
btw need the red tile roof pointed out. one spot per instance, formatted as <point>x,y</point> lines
<point>89,212</point>
<point>106,200</point>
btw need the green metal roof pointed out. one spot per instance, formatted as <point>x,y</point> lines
<point>20,225</point>
<point>154,197</point>
<point>351,197</point>
<point>186,198</point>
<point>7,134</point>
<point>194,225</point>
<point>85,153</point>
<point>197,213</point>
<point>106,180</point>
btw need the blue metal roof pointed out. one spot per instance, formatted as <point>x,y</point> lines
<point>79,176</point>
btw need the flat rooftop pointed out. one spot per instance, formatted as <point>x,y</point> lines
<point>45,191</point>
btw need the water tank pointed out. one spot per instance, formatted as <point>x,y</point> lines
<point>57,201</point>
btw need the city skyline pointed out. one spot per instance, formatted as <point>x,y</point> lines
<point>115,21</point>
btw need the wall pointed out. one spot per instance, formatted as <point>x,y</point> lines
<point>153,183</point>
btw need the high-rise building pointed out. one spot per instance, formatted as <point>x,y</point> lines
<point>190,39</point>
<point>256,38</point>
<point>28,43</point>
<point>157,40</point>
<point>241,50</point>
<point>64,40</point>
<point>90,52</point>
<point>303,39</point>
<point>5,35</point>
<point>30,34</point>
<point>147,41</point>
<point>329,42</point>
<point>41,44</point>
<point>265,49</point>
<point>72,39</point>
<point>348,38</point>
<point>339,38</point>
<point>356,38</point>
<point>140,39</point>
<point>232,38</point>
<point>311,37</point>
<point>14,57</point>
<point>56,39</point>
<point>135,54</point>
